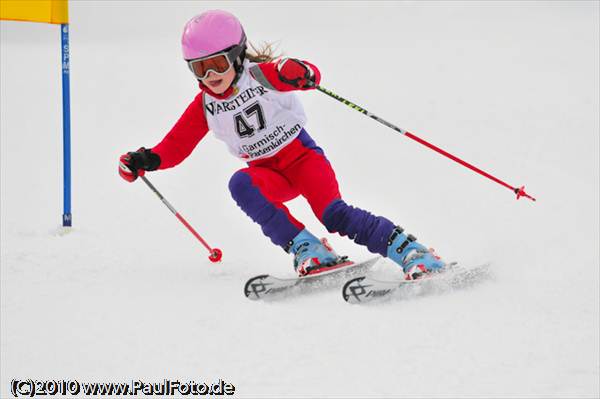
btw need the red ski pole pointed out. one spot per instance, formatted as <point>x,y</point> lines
<point>520,191</point>
<point>215,253</point>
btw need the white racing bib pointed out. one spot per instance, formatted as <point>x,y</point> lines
<point>255,122</point>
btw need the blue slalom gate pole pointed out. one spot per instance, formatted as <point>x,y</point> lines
<point>66,99</point>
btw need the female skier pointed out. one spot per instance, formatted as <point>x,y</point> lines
<point>246,100</point>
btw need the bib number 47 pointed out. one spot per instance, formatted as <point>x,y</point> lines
<point>243,126</point>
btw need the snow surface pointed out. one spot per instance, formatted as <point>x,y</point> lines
<point>512,87</point>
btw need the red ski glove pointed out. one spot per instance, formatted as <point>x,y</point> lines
<point>296,73</point>
<point>134,164</point>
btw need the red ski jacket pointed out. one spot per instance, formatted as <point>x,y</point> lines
<point>192,126</point>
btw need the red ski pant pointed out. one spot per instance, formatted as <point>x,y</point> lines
<point>301,168</point>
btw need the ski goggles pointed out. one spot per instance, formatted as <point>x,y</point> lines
<point>219,63</point>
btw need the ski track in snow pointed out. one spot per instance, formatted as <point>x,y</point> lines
<point>128,294</point>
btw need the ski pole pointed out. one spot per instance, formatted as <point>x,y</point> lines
<point>215,253</point>
<point>519,191</point>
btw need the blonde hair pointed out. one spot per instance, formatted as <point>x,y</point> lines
<point>266,53</point>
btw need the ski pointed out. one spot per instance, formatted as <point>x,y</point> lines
<point>366,289</point>
<point>268,286</point>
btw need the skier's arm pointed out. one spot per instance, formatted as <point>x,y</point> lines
<point>181,140</point>
<point>287,74</point>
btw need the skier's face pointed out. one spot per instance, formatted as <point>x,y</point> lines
<point>219,83</point>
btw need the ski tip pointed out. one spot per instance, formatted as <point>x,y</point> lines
<point>255,287</point>
<point>351,292</point>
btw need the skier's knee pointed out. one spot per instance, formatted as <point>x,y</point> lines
<point>333,214</point>
<point>239,183</point>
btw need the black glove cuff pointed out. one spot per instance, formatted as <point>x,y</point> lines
<point>152,160</point>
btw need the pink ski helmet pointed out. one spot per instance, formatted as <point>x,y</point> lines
<point>211,32</point>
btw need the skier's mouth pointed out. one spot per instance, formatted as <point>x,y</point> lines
<point>215,83</point>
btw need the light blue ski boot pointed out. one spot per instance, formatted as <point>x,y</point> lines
<point>415,260</point>
<point>311,254</point>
